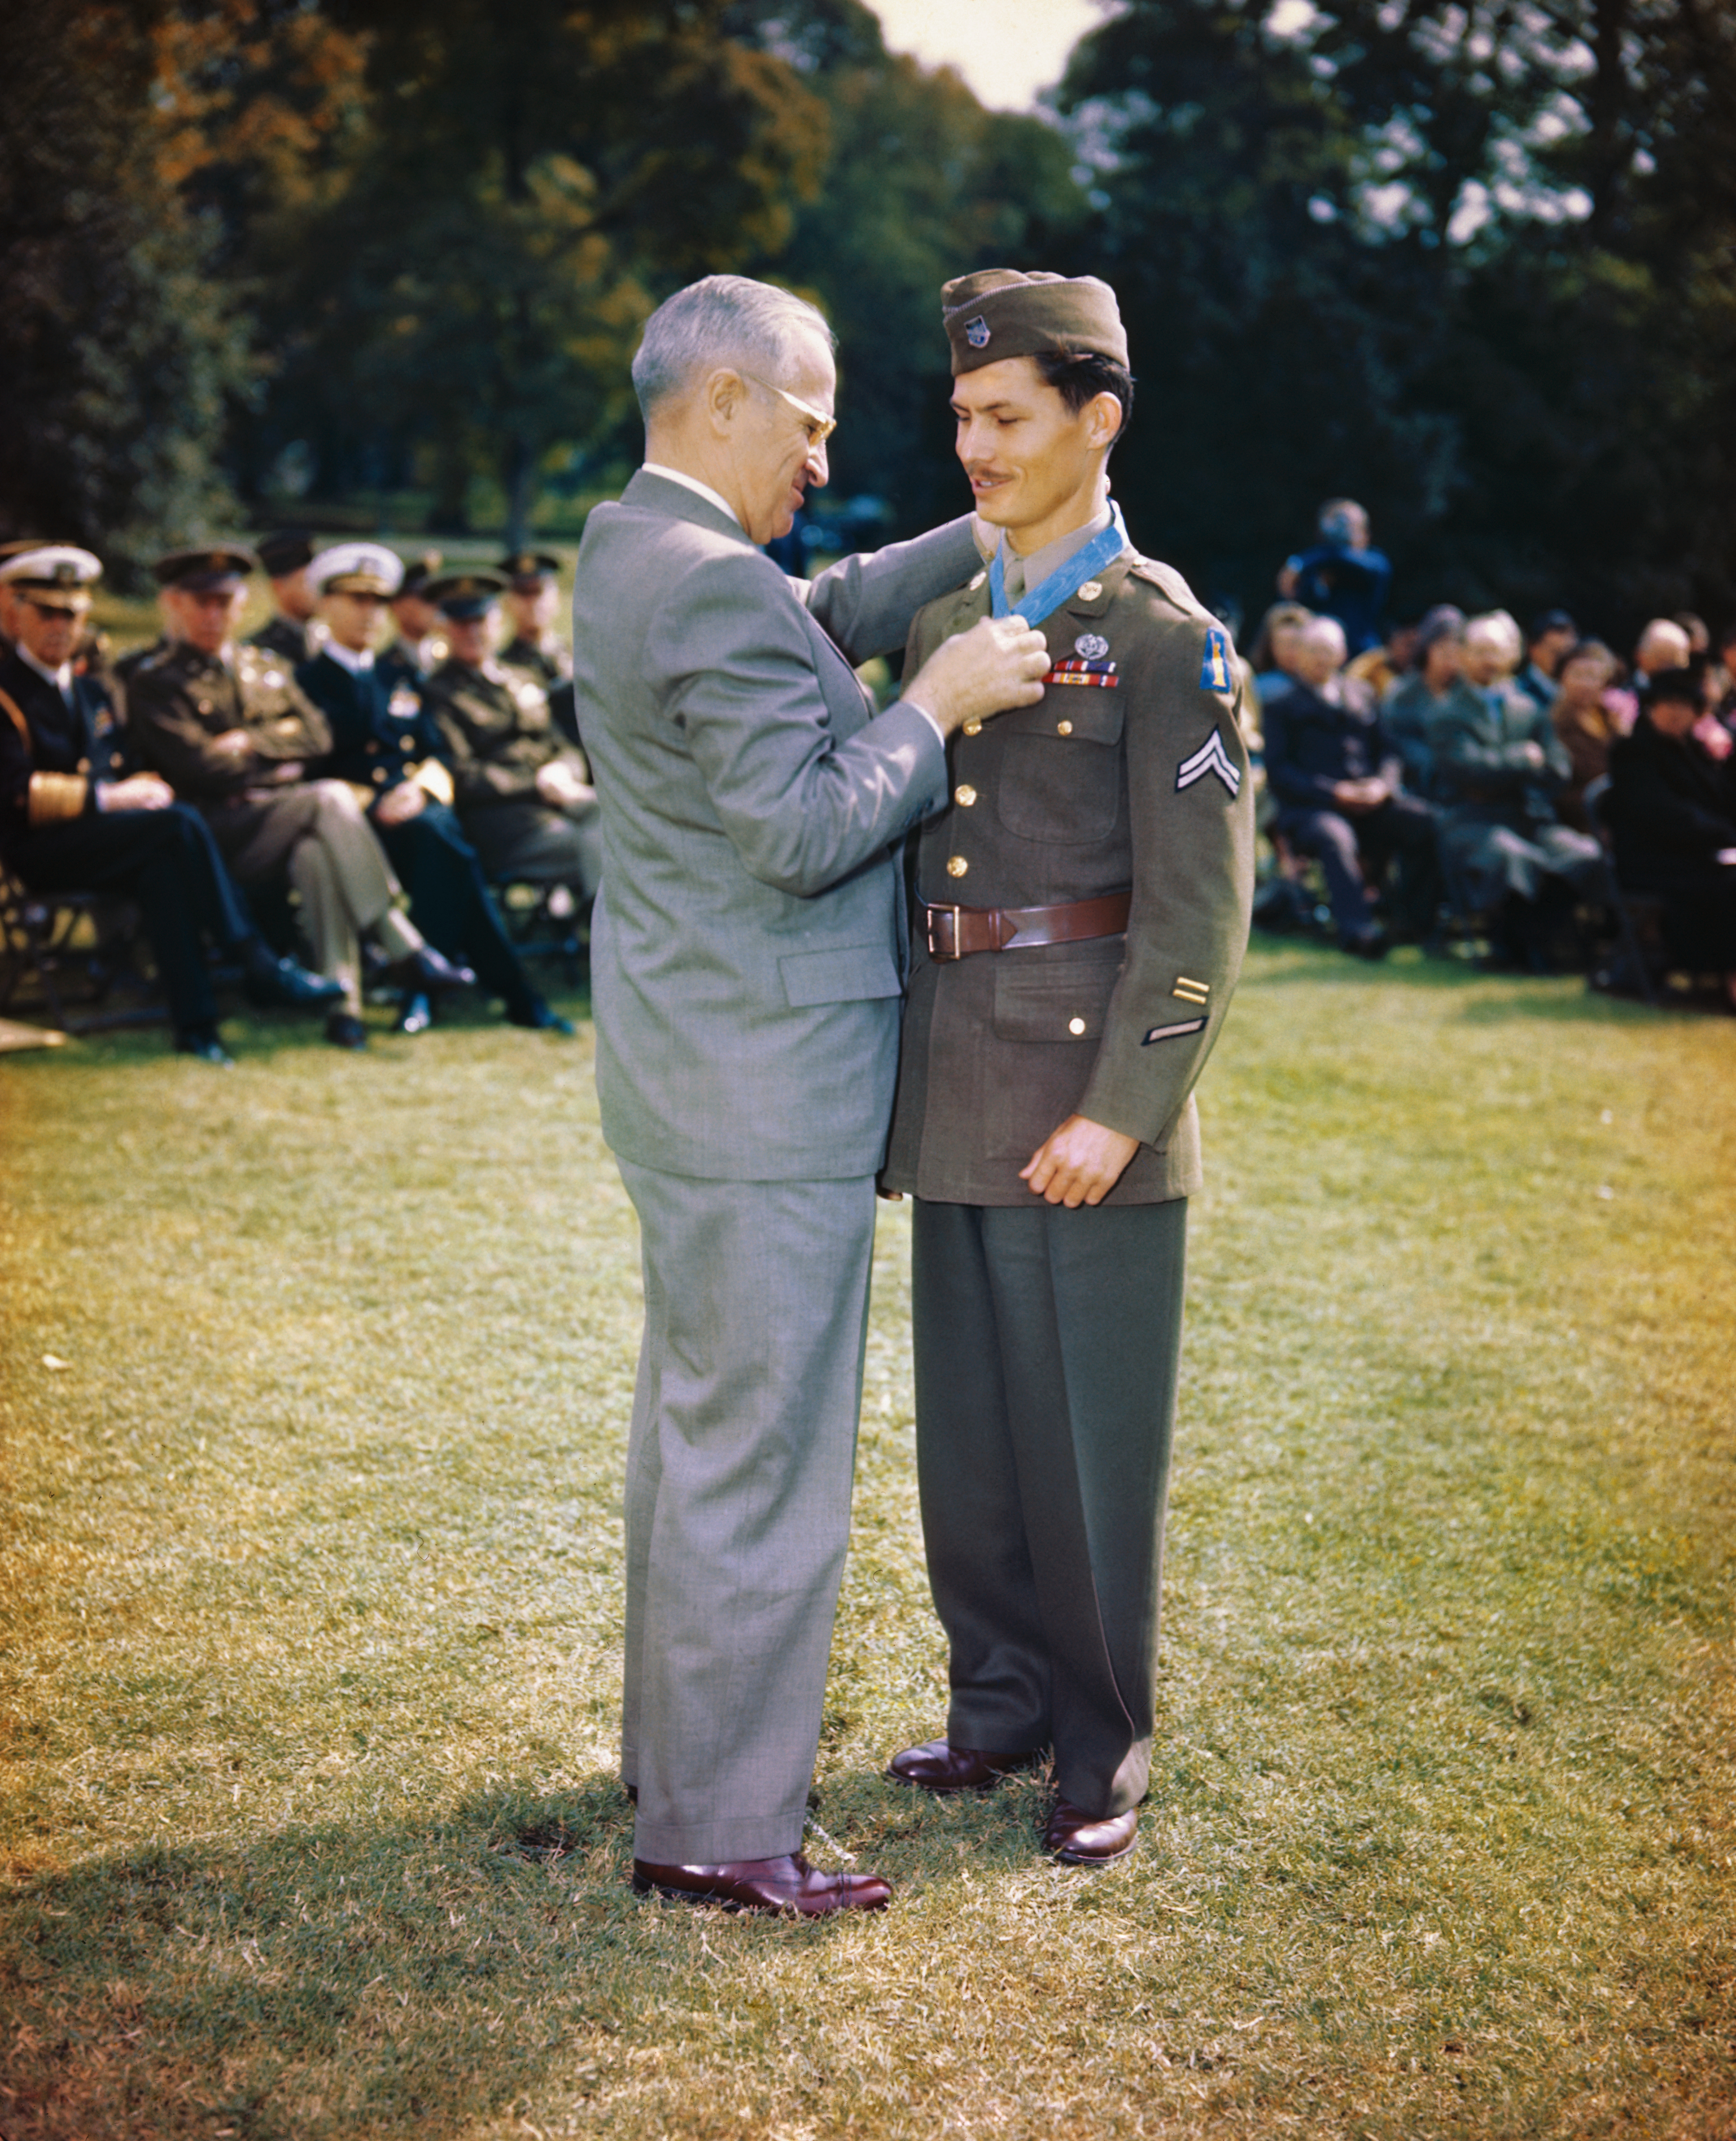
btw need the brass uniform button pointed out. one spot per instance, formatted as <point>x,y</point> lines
<point>1064,728</point>
<point>965,794</point>
<point>956,866</point>
<point>973,728</point>
<point>1076,1026</point>
<point>1091,590</point>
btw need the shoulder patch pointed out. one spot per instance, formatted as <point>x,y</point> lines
<point>1214,669</point>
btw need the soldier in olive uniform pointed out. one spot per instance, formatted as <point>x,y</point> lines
<point>524,793</point>
<point>418,647</point>
<point>387,746</point>
<point>1084,911</point>
<point>294,631</point>
<point>533,595</point>
<point>232,733</point>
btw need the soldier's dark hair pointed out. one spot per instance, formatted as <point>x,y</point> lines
<point>1079,377</point>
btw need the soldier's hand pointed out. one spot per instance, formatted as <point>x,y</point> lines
<point>232,742</point>
<point>998,664</point>
<point>398,805</point>
<point>141,791</point>
<point>558,783</point>
<point>1079,1165</point>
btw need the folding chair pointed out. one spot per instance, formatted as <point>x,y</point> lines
<point>46,938</point>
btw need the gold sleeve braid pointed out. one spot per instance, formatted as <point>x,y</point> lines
<point>56,797</point>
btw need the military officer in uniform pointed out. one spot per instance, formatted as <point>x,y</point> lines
<point>75,817</point>
<point>524,795</point>
<point>533,596</point>
<point>419,646</point>
<point>294,631</point>
<point>387,746</point>
<point>1083,910</point>
<point>232,733</point>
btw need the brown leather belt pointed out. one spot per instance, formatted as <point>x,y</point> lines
<point>954,932</point>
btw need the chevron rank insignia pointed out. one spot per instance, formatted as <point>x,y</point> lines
<point>1084,670</point>
<point>1214,668</point>
<point>1172,1032</point>
<point>1211,757</point>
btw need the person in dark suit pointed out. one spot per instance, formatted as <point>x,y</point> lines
<point>1672,812</point>
<point>75,817</point>
<point>386,745</point>
<point>1099,845</point>
<point>418,645</point>
<point>1337,777</point>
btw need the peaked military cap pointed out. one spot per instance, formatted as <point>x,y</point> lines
<point>1000,312</point>
<point>466,595</point>
<point>356,568</point>
<point>53,575</point>
<point>418,573</point>
<point>529,567</point>
<point>285,552</point>
<point>199,570</point>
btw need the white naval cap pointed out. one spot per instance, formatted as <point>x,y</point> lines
<point>54,565</point>
<point>356,568</point>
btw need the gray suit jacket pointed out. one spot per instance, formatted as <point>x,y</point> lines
<point>747,946</point>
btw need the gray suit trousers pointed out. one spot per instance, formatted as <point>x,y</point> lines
<point>738,1502</point>
<point>1046,1348</point>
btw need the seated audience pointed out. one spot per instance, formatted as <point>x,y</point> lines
<point>1381,667</point>
<point>1551,638</point>
<point>1335,778</point>
<point>524,793</point>
<point>1672,812</point>
<point>294,630</point>
<point>418,647</point>
<point>1699,632</point>
<point>386,745</point>
<point>1413,701</point>
<point>1341,577</point>
<point>1498,765</point>
<point>1721,676</point>
<point>1271,655</point>
<point>1584,724</point>
<point>74,817</point>
<point>533,600</point>
<point>233,734</point>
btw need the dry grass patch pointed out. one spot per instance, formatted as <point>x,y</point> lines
<point>311,1604</point>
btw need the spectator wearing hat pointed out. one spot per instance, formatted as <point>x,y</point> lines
<point>19,548</point>
<point>1412,703</point>
<point>386,745</point>
<point>533,596</point>
<point>524,793</point>
<point>1546,648</point>
<point>74,818</point>
<point>294,631</point>
<point>418,647</point>
<point>1583,721</point>
<point>234,734</point>
<point>1672,811</point>
<point>1498,766</point>
<point>1341,576</point>
<point>1337,779</point>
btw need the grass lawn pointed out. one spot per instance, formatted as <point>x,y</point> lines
<point>316,1376</point>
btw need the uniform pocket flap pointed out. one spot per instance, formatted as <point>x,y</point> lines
<point>1053,1001</point>
<point>1079,714</point>
<point>851,973</point>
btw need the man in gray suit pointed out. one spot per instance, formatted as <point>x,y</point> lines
<point>746,971</point>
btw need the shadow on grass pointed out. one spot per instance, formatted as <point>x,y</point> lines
<point>394,1976</point>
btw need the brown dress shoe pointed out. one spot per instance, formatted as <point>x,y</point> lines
<point>1079,1838</point>
<point>938,1766</point>
<point>787,1884</point>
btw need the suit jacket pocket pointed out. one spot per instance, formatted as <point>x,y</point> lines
<point>848,974</point>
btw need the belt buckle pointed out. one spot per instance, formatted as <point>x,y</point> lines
<point>933,915</point>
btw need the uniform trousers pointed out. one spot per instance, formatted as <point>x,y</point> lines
<point>531,843</point>
<point>450,902</point>
<point>738,1502</point>
<point>1349,846</point>
<point>1046,1347</point>
<point>317,833</point>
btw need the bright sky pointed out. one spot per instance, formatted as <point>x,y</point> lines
<point>1006,50</point>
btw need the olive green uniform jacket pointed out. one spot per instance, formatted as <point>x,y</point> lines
<point>180,701</point>
<point>498,732</point>
<point>1095,790</point>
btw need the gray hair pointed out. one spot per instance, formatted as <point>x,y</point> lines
<point>721,320</point>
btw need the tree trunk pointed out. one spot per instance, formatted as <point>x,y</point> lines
<point>520,473</point>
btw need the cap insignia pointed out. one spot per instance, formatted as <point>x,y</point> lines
<point>976,332</point>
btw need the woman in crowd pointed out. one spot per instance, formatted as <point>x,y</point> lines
<point>1415,699</point>
<point>1272,656</point>
<point>1584,724</point>
<point>1673,813</point>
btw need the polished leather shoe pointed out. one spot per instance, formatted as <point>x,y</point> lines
<point>1079,1838</point>
<point>275,984</point>
<point>344,1030</point>
<point>938,1766</point>
<point>540,1018</point>
<point>202,1042</point>
<point>417,1015</point>
<point>789,1884</point>
<point>427,970</point>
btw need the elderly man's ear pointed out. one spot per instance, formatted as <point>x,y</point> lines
<point>724,393</point>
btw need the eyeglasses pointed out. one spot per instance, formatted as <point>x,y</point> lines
<point>820,428</point>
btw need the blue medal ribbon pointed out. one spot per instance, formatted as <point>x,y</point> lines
<point>1044,600</point>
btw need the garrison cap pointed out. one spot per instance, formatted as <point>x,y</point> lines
<point>285,552</point>
<point>999,312</point>
<point>418,573</point>
<point>525,568</point>
<point>53,575</point>
<point>465,596</point>
<point>198,571</point>
<point>356,568</point>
